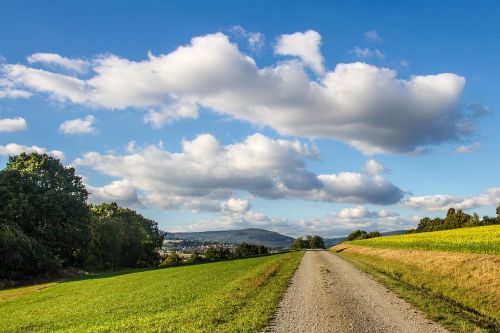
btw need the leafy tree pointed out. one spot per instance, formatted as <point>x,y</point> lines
<point>47,202</point>
<point>217,253</point>
<point>171,259</point>
<point>195,257</point>
<point>122,238</point>
<point>315,242</point>
<point>361,234</point>
<point>299,244</point>
<point>247,250</point>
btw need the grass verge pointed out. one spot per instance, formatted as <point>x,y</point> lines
<point>230,296</point>
<point>461,291</point>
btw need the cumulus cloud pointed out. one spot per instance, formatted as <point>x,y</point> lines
<point>373,36</point>
<point>78,126</point>
<point>76,65</point>
<point>366,106</point>
<point>12,149</point>
<point>12,124</point>
<point>332,225</point>
<point>305,45</point>
<point>205,174</point>
<point>235,205</point>
<point>442,202</point>
<point>119,191</point>
<point>366,53</point>
<point>466,149</point>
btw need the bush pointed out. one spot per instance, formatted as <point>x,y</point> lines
<point>23,257</point>
<point>217,253</point>
<point>171,259</point>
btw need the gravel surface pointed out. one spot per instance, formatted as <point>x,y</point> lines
<point>327,294</point>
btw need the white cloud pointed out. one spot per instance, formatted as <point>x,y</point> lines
<point>12,149</point>
<point>373,168</point>
<point>373,36</point>
<point>78,126</point>
<point>466,149</point>
<point>76,65</point>
<point>442,202</point>
<point>235,205</point>
<point>305,45</point>
<point>119,191</point>
<point>255,40</point>
<point>12,124</point>
<point>8,90</point>
<point>366,53</point>
<point>332,225</point>
<point>205,174</point>
<point>366,106</point>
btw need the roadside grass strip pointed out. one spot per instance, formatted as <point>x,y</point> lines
<point>459,290</point>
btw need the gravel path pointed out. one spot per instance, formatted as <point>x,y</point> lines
<point>327,294</point>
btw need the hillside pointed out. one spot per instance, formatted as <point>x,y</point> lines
<point>268,238</point>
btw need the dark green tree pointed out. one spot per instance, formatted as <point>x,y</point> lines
<point>122,238</point>
<point>47,202</point>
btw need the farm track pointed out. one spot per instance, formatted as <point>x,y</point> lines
<point>327,294</point>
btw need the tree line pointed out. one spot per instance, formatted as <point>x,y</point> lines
<point>455,219</point>
<point>361,234</point>
<point>46,225</point>
<point>310,242</point>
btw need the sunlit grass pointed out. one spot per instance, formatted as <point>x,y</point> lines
<point>229,296</point>
<point>472,240</point>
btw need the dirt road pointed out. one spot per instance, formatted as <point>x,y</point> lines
<point>327,294</point>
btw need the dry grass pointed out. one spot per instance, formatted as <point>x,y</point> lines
<point>470,281</point>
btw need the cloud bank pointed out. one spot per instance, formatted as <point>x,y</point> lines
<point>365,106</point>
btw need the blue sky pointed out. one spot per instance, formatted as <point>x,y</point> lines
<point>290,116</point>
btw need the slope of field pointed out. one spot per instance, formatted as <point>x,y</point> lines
<point>238,295</point>
<point>459,285</point>
<point>254,236</point>
<point>472,240</point>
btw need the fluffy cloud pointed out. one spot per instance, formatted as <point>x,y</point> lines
<point>8,90</point>
<point>76,65</point>
<point>332,225</point>
<point>363,105</point>
<point>15,149</point>
<point>205,174</point>
<point>119,191</point>
<point>78,126</point>
<point>442,202</point>
<point>305,45</point>
<point>12,124</point>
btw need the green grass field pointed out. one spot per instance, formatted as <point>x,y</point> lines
<point>229,296</point>
<point>453,275</point>
<point>468,240</point>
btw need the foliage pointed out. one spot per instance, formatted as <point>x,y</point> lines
<point>22,256</point>
<point>311,242</point>
<point>485,239</point>
<point>45,203</point>
<point>361,234</point>
<point>217,253</point>
<point>170,259</point>
<point>455,219</point>
<point>194,258</point>
<point>226,296</point>
<point>248,250</point>
<point>122,238</point>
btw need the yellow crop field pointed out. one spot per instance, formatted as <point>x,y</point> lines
<point>470,240</point>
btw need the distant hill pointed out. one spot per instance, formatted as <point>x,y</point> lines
<point>329,242</point>
<point>267,238</point>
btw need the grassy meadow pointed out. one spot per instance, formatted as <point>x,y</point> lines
<point>228,296</point>
<point>452,275</point>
